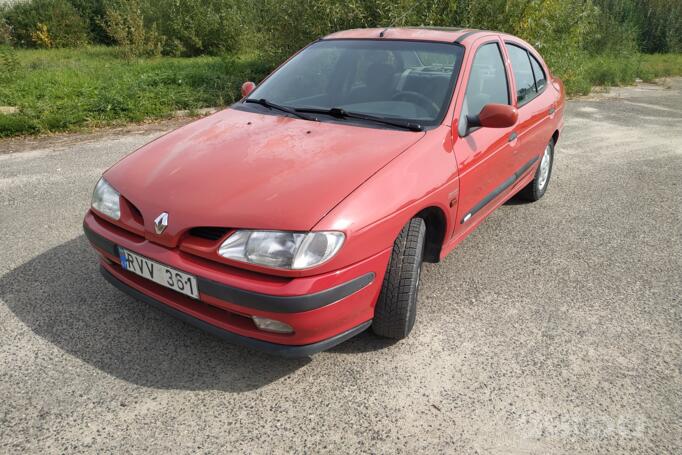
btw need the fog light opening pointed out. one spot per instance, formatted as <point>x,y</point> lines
<point>271,325</point>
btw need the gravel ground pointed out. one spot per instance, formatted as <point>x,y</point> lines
<point>555,328</point>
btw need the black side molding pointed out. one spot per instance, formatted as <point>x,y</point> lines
<point>257,301</point>
<point>271,348</point>
<point>497,191</point>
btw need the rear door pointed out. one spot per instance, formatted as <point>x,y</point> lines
<point>483,154</point>
<point>534,103</point>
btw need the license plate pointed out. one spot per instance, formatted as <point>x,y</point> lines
<point>159,273</point>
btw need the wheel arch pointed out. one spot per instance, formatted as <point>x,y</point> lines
<point>555,136</point>
<point>436,224</point>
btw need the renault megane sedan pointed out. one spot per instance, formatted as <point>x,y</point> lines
<point>301,215</point>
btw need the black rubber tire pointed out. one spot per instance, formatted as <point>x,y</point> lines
<point>532,192</point>
<point>396,309</point>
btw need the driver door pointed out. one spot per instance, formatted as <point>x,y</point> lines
<point>484,155</point>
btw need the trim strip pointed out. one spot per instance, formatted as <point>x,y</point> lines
<point>282,350</point>
<point>283,304</point>
<point>496,192</point>
<point>255,300</point>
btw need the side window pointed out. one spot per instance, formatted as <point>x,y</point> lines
<point>523,74</point>
<point>487,83</point>
<point>538,72</point>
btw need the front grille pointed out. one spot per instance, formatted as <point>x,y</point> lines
<point>134,222</point>
<point>135,212</point>
<point>209,233</point>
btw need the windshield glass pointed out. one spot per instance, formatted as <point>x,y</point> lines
<point>405,80</point>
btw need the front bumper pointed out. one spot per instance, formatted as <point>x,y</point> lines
<point>324,310</point>
<point>282,350</point>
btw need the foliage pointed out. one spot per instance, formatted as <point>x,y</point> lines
<point>197,27</point>
<point>9,63</point>
<point>279,27</point>
<point>5,31</point>
<point>41,37</point>
<point>92,12</point>
<point>59,19</point>
<point>657,24</point>
<point>124,22</point>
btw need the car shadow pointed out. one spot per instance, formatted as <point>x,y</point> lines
<point>363,342</point>
<point>516,200</point>
<point>61,297</point>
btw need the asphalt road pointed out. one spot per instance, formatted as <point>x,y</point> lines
<point>555,328</point>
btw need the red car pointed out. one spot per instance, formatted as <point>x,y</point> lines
<point>301,215</point>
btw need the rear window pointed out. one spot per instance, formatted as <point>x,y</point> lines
<point>523,74</point>
<point>540,77</point>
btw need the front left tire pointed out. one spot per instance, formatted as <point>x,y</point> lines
<point>396,308</point>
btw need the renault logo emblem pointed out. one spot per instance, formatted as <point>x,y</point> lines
<point>161,222</point>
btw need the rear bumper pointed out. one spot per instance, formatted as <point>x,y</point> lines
<point>324,310</point>
<point>271,348</point>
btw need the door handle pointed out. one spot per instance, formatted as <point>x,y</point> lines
<point>513,136</point>
<point>552,110</point>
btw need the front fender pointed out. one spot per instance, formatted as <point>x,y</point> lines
<point>372,216</point>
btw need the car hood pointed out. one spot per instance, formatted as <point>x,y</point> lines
<point>242,169</point>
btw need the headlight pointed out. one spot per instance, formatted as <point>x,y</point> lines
<point>282,250</point>
<point>105,200</point>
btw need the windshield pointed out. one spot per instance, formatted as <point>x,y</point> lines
<point>404,80</point>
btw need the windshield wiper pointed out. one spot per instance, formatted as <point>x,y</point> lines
<point>341,113</point>
<point>270,105</point>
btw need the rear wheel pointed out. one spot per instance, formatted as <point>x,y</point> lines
<point>396,309</point>
<point>536,189</point>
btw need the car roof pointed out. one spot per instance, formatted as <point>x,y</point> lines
<point>443,34</point>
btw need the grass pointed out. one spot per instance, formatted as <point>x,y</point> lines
<point>613,71</point>
<point>66,89</point>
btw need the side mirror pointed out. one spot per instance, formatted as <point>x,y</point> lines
<point>494,116</point>
<point>247,88</point>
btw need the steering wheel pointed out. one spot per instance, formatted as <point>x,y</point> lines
<point>418,99</point>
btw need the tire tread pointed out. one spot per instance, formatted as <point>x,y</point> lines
<point>395,312</point>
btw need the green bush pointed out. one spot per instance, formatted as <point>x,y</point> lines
<point>92,12</point>
<point>9,62</point>
<point>124,23</point>
<point>283,26</point>
<point>5,31</point>
<point>197,27</point>
<point>62,24</point>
